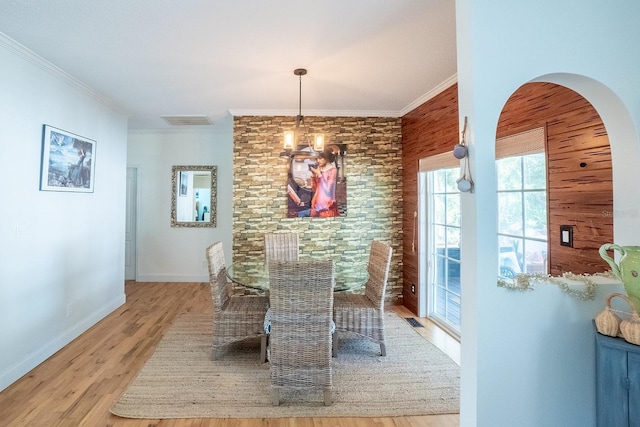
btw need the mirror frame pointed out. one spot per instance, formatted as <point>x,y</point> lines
<point>175,172</point>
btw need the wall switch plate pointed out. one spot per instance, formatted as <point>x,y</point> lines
<point>566,235</point>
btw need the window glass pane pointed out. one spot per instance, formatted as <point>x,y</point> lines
<point>510,256</point>
<point>535,214</point>
<point>439,305</point>
<point>441,267</point>
<point>453,272</point>
<point>453,209</point>
<point>509,173</point>
<point>439,238</point>
<point>535,174</point>
<point>535,256</point>
<point>510,213</point>
<point>439,209</point>
<point>453,309</point>
<point>453,242</point>
<point>438,177</point>
<point>452,176</point>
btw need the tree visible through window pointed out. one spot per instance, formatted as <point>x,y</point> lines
<point>522,214</point>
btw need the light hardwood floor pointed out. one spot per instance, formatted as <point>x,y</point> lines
<point>77,385</point>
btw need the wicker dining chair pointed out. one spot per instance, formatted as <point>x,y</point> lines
<point>363,314</point>
<point>281,247</point>
<point>301,301</point>
<point>235,318</point>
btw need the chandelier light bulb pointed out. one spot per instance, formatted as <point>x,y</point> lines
<point>289,137</point>
<point>318,142</point>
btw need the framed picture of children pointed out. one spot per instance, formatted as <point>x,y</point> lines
<point>316,183</point>
<point>68,161</point>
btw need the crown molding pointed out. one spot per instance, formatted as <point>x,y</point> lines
<point>30,56</point>
<point>432,93</point>
<point>236,112</point>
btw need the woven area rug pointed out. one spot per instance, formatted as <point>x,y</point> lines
<point>180,381</point>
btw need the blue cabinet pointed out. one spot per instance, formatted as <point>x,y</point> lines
<point>617,382</point>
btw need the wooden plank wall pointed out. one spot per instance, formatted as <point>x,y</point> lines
<point>579,170</point>
<point>430,129</point>
<point>580,183</point>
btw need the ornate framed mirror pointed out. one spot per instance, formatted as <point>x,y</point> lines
<point>193,196</point>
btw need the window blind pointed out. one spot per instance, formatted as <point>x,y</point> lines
<point>439,161</point>
<point>521,144</point>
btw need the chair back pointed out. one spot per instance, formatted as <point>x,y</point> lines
<point>220,287</point>
<point>379,265</point>
<point>301,301</point>
<point>281,247</point>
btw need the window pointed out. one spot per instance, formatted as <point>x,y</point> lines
<point>522,204</point>
<point>443,236</point>
<point>439,241</point>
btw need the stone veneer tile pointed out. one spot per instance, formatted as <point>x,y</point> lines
<point>373,167</point>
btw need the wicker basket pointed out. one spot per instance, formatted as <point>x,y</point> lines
<point>607,322</point>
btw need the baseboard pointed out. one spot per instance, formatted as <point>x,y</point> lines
<point>17,371</point>
<point>164,278</point>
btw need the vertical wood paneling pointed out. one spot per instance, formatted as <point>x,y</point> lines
<point>580,183</point>
<point>580,186</point>
<point>430,129</point>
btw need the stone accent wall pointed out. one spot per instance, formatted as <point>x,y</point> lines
<point>373,167</point>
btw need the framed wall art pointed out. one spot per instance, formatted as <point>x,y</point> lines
<point>68,161</point>
<point>184,183</point>
<point>316,183</point>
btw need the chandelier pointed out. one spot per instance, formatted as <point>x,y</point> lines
<point>298,134</point>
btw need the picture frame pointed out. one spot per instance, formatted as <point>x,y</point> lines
<point>198,208</point>
<point>301,188</point>
<point>184,183</point>
<point>68,161</point>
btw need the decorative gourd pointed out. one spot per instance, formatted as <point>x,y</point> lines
<point>631,329</point>
<point>607,322</point>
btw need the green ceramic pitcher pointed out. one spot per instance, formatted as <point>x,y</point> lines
<point>628,269</point>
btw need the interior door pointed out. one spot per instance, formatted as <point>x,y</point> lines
<point>130,228</point>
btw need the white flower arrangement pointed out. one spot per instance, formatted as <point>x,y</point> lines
<point>524,282</point>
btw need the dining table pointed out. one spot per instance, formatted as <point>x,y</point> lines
<point>254,274</point>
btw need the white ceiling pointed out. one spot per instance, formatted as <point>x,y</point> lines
<point>206,57</point>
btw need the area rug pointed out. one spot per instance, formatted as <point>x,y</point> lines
<point>180,380</point>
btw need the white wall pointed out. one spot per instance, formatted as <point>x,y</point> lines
<point>528,359</point>
<point>57,249</point>
<point>166,254</point>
